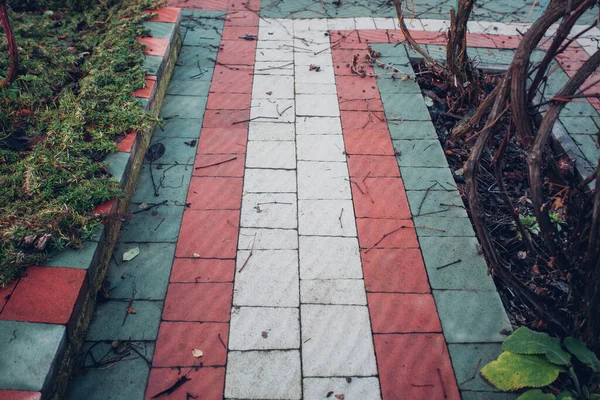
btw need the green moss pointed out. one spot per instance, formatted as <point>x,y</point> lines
<point>71,100</point>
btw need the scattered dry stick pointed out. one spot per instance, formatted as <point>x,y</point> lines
<point>249,255</point>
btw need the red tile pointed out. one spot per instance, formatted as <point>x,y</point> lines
<point>236,46</point>
<point>210,193</point>
<point>231,87</point>
<point>226,119</point>
<point>374,36</point>
<point>228,101</point>
<point>241,18</point>
<point>176,340</point>
<point>239,32</point>
<point>46,294</point>
<point>370,104</point>
<point>208,234</point>
<point>480,40</point>
<point>204,383</point>
<point>203,302</point>
<point>106,208</point>
<point>396,36</point>
<point>394,270</point>
<point>424,37</point>
<point>371,231</point>
<point>417,366</point>
<point>212,5</point>
<point>146,91</point>
<point>198,270</point>
<point>403,313</point>
<point>373,142</point>
<point>19,395</point>
<point>126,144</point>
<point>165,14</point>
<point>506,42</point>
<point>6,292</point>
<point>346,56</point>
<point>241,76</point>
<point>223,141</point>
<point>154,46</point>
<point>352,120</point>
<point>380,198</point>
<point>356,87</point>
<point>360,166</point>
<point>219,165</point>
<point>347,40</point>
<point>241,58</point>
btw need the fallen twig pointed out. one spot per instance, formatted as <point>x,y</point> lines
<point>180,382</point>
<point>449,264</point>
<point>217,163</point>
<point>249,255</point>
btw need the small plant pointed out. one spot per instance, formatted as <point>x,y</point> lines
<point>535,360</point>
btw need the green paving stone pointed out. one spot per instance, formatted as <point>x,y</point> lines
<point>82,258</point>
<point>578,108</point>
<point>554,83</point>
<point>27,354</point>
<point>199,35</point>
<point>197,56</point>
<point>466,395</point>
<point>125,379</point>
<point>419,178</point>
<point>436,51</point>
<point>580,125</point>
<point>160,29</point>
<point>445,226</point>
<point>409,107</point>
<point>149,271</point>
<point>496,56</point>
<point>217,17</point>
<point>116,164</point>
<point>160,224</point>
<point>190,87</point>
<point>393,86</point>
<point>172,183</point>
<point>143,102</point>
<point>183,106</point>
<point>469,274</point>
<point>471,316</point>
<point>179,128</point>
<point>402,130</point>
<point>178,150</point>
<point>390,50</point>
<point>152,64</point>
<point>419,153</point>
<point>473,53</point>
<point>107,322</point>
<point>589,147</point>
<point>467,357</point>
<point>430,203</point>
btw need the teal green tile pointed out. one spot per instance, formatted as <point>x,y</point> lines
<point>116,163</point>
<point>82,258</point>
<point>419,178</point>
<point>468,395</point>
<point>468,274</point>
<point>125,379</point>
<point>202,35</point>
<point>160,224</point>
<point>148,272</point>
<point>436,51</point>
<point>190,87</point>
<point>111,321</point>
<point>467,358</point>
<point>409,107</point>
<point>496,56</point>
<point>152,64</point>
<point>216,17</point>
<point>403,130</point>
<point>160,29</point>
<point>183,106</point>
<point>588,145</point>
<point>178,150</point>
<point>554,83</point>
<point>440,203</point>
<point>578,108</point>
<point>471,316</point>
<point>449,226</point>
<point>188,128</point>
<point>172,183</point>
<point>143,102</point>
<point>580,125</point>
<point>419,153</point>
<point>395,86</point>
<point>28,353</point>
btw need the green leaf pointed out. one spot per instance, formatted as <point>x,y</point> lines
<point>536,394</point>
<point>564,396</point>
<point>583,354</point>
<point>512,371</point>
<point>526,341</point>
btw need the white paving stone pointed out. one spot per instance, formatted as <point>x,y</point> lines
<point>269,279</point>
<point>275,30</point>
<point>364,23</point>
<point>329,258</point>
<point>308,25</point>
<point>263,375</point>
<point>355,389</point>
<point>269,210</point>
<point>273,87</point>
<point>284,45</point>
<point>326,217</point>
<point>318,126</point>
<point>323,180</point>
<point>321,148</point>
<point>309,88</point>
<point>274,55</point>
<point>273,110</point>
<point>340,341</point>
<point>264,328</point>
<point>271,154</point>
<point>270,180</point>
<point>273,68</point>
<point>268,239</point>
<point>333,291</point>
<point>324,106</point>
<point>435,25</point>
<point>342,24</point>
<point>385,23</point>
<point>307,58</point>
<point>325,75</point>
<point>271,131</point>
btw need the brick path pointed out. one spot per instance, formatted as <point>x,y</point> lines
<point>304,245</point>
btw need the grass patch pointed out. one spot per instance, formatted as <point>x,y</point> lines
<point>58,120</point>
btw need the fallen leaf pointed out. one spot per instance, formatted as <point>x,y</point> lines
<point>131,254</point>
<point>197,353</point>
<point>340,396</point>
<point>265,334</point>
<point>130,310</point>
<point>196,255</point>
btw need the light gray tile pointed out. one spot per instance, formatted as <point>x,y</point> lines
<point>264,328</point>
<point>329,258</point>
